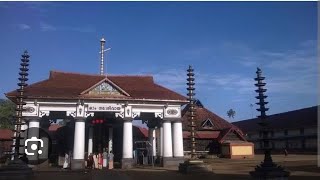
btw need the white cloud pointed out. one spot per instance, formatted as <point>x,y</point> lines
<point>23,27</point>
<point>47,27</point>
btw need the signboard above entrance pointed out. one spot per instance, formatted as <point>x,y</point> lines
<point>104,107</point>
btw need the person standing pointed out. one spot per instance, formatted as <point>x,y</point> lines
<point>105,159</point>
<point>66,161</point>
<point>100,160</point>
<point>110,157</point>
<point>95,160</point>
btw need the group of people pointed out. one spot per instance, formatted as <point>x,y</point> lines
<point>100,160</point>
<point>94,161</point>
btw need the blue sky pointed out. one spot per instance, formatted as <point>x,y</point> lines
<point>224,41</point>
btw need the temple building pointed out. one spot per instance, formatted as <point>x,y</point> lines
<point>295,131</point>
<point>215,135</point>
<point>99,110</point>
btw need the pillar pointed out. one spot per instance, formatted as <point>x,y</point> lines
<point>78,145</point>
<point>90,140</point>
<point>110,142</point>
<point>177,140</point>
<point>158,141</point>
<point>152,140</point>
<point>161,140</point>
<point>127,148</point>
<point>167,141</point>
<point>33,132</point>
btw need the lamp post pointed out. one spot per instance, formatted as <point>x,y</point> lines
<point>267,169</point>
<point>16,168</point>
<point>192,110</point>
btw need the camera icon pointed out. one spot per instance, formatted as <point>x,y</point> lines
<point>34,146</point>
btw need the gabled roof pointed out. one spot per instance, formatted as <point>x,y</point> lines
<point>203,114</point>
<point>296,119</point>
<point>66,85</point>
<point>205,122</point>
<point>234,130</point>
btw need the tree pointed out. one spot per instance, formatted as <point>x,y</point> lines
<point>7,113</point>
<point>231,113</point>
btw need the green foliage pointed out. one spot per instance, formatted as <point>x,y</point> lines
<point>231,113</point>
<point>7,112</point>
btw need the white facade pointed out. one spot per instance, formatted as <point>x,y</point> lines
<point>170,127</point>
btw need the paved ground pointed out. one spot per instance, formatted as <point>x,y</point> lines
<point>300,166</point>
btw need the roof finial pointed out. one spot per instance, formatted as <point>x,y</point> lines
<point>102,43</point>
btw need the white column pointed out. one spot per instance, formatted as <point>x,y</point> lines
<point>177,139</point>
<point>110,142</point>
<point>90,140</point>
<point>127,148</point>
<point>35,124</point>
<point>167,139</point>
<point>78,145</point>
<point>161,140</point>
<point>152,140</point>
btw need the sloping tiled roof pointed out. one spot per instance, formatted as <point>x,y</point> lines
<point>203,114</point>
<point>306,117</point>
<point>233,129</point>
<point>140,131</point>
<point>70,85</point>
<point>54,127</point>
<point>203,134</point>
<point>6,134</point>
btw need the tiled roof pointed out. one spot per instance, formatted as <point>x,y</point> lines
<point>6,134</point>
<point>306,117</point>
<point>202,134</point>
<point>203,114</point>
<point>140,131</point>
<point>54,127</point>
<point>70,85</point>
<point>233,129</point>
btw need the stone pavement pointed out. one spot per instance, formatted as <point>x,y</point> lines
<point>301,166</point>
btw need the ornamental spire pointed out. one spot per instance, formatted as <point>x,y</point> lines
<point>192,110</point>
<point>267,169</point>
<point>261,97</point>
<point>20,103</point>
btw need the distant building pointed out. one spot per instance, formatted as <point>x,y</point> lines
<point>214,135</point>
<point>295,130</point>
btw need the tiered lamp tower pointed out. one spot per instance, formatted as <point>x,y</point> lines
<point>192,110</point>
<point>193,164</point>
<point>267,169</point>
<point>20,103</point>
<point>16,169</point>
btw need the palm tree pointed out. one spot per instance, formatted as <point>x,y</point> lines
<point>231,113</point>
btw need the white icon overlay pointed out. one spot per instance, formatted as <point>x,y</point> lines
<point>34,146</point>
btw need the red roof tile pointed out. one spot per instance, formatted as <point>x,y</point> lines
<point>6,134</point>
<point>54,127</point>
<point>140,131</point>
<point>202,134</point>
<point>202,114</point>
<point>70,85</point>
